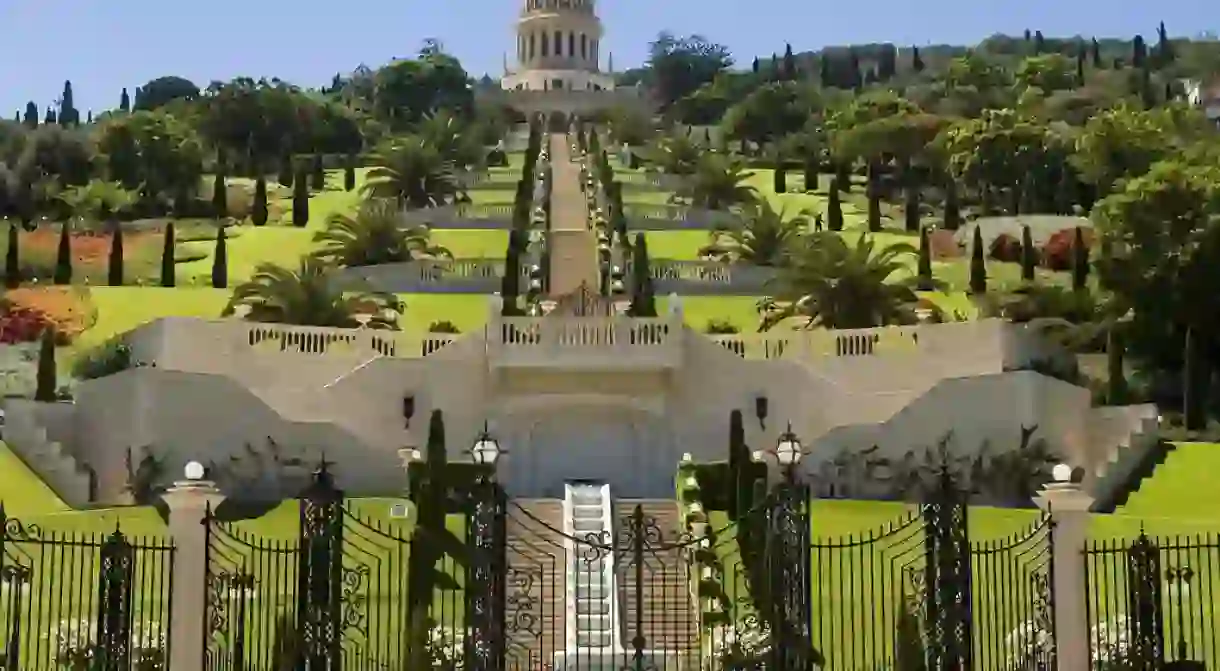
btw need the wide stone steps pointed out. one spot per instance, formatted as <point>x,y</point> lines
<point>666,616</point>
<point>593,609</point>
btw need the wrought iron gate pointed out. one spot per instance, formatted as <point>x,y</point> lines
<point>71,600</point>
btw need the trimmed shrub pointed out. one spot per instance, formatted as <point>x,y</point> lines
<point>1005,248</point>
<point>721,327</point>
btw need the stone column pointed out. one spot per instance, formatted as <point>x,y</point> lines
<point>189,502</point>
<point>1068,505</point>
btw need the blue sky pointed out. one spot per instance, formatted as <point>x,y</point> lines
<point>104,45</point>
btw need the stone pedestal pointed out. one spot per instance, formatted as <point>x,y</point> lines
<point>1069,506</point>
<point>190,503</point>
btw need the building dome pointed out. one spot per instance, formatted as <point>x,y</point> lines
<point>559,35</point>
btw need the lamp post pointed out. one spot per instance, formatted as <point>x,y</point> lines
<point>787,453</point>
<point>486,538</point>
<point>486,451</point>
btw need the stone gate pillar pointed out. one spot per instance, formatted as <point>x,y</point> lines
<point>1068,505</point>
<point>190,502</point>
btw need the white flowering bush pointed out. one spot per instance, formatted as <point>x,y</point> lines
<point>1031,645</point>
<point>740,647</point>
<point>74,647</point>
<point>447,647</point>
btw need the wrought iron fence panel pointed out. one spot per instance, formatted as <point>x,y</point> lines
<point>1012,609</point>
<point>534,590</point>
<point>373,597</point>
<point>869,596</point>
<point>251,599</point>
<point>74,599</point>
<point>1153,600</point>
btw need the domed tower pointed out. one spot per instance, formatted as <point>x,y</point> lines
<point>558,48</point>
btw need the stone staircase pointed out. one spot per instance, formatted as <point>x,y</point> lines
<point>48,459</point>
<point>591,622</point>
<point>536,611</point>
<point>573,244</point>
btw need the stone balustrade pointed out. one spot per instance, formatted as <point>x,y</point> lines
<point>708,278</point>
<point>182,343</point>
<point>678,217</point>
<point>585,342</point>
<point>456,276</point>
<point>489,216</point>
<point>807,345</point>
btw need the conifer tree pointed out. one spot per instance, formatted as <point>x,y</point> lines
<point>1095,53</point>
<point>1116,377</point>
<point>978,264</point>
<point>114,265</point>
<point>12,259</point>
<point>125,101</point>
<point>916,60</point>
<point>953,213</point>
<point>63,256</point>
<point>780,178</point>
<point>68,115</point>
<point>834,209</point>
<point>220,194</point>
<point>46,382</point>
<point>168,271</point>
<point>643,298</point>
<point>874,202</point>
<point>789,65</point>
<point>1029,255</point>
<point>911,208</point>
<point>349,174</point>
<point>925,282</point>
<point>220,261</point>
<point>258,212</point>
<point>300,201</point>
<point>31,115</point>
<point>811,174</point>
<point>1194,406</point>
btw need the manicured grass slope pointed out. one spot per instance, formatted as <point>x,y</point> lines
<point>1183,487</point>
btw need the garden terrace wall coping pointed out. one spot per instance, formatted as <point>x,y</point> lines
<point>494,216</point>
<point>457,276</point>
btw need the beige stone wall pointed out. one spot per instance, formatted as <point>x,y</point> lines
<point>570,397</point>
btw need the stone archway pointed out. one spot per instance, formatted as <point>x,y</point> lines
<point>623,447</point>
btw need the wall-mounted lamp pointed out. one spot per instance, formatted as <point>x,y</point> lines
<point>760,411</point>
<point>408,410</point>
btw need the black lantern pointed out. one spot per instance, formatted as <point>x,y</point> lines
<point>408,410</point>
<point>760,411</point>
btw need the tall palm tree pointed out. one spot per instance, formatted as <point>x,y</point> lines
<point>378,233</point>
<point>765,238</point>
<point>456,140</point>
<point>412,171</point>
<point>309,296</point>
<point>838,285</point>
<point>675,154</point>
<point>718,183</point>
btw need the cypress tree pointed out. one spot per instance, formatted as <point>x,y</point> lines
<point>68,116</point>
<point>285,178</point>
<point>978,264</point>
<point>63,256</point>
<point>1095,52</point>
<point>1116,378</point>
<point>168,274</point>
<point>834,209</point>
<point>30,120</point>
<point>843,172</point>
<point>737,452</point>
<point>46,381</point>
<point>780,178</point>
<point>916,60</point>
<point>300,201</point>
<point>124,101</point>
<point>318,174</point>
<point>1080,261</point>
<point>114,266</point>
<point>258,213</point>
<point>911,208</point>
<point>953,212</point>
<point>811,174</point>
<point>220,195</point>
<point>510,284</point>
<point>925,261</point>
<point>220,261</point>
<point>643,299</point>
<point>1194,407</point>
<point>12,259</point>
<point>1029,255</point>
<point>349,174</point>
<point>874,202</point>
<point>50,117</point>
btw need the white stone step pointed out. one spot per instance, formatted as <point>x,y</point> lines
<point>592,607</point>
<point>591,591</point>
<point>599,622</point>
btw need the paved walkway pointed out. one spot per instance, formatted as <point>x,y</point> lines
<point>573,244</point>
